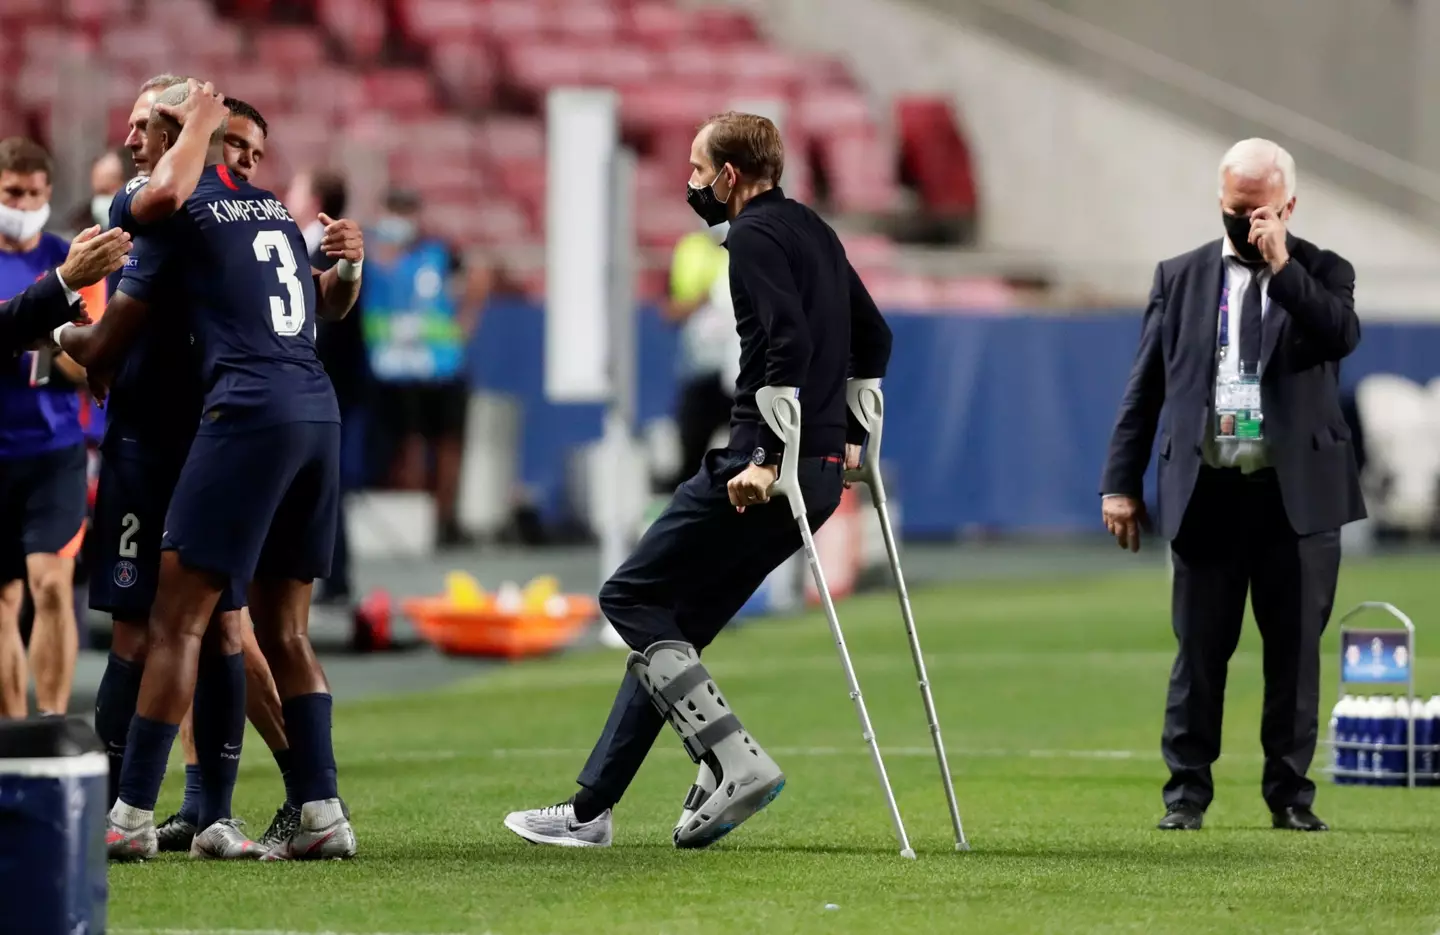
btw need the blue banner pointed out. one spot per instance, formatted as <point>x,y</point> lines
<point>1375,656</point>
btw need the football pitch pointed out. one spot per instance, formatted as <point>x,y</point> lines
<point>1051,696</point>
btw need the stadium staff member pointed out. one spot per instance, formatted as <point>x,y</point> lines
<point>42,454</point>
<point>806,321</point>
<point>1241,346</point>
<point>52,301</point>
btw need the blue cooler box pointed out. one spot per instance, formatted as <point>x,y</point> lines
<point>52,828</point>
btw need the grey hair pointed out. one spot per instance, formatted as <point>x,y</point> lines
<point>1258,158</point>
<point>161,82</point>
<point>176,95</point>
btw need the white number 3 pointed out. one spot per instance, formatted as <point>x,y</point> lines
<point>287,317</point>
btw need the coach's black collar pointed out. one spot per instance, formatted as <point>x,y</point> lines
<point>769,195</point>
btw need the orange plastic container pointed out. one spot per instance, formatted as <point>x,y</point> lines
<point>490,632</point>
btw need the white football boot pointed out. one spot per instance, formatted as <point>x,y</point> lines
<point>556,825</point>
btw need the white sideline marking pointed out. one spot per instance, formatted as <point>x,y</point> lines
<point>859,749</point>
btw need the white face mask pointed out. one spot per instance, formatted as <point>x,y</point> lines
<point>22,225</point>
<point>100,208</point>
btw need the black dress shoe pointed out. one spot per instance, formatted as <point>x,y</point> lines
<point>1182,816</point>
<point>1297,818</point>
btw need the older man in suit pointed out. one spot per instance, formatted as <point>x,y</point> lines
<point>1240,356</point>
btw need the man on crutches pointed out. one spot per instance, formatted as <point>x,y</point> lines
<point>805,323</point>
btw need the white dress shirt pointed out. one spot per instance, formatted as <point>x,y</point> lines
<point>1248,454</point>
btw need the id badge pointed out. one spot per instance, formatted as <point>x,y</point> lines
<point>1237,408</point>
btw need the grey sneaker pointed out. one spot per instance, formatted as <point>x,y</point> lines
<point>324,833</point>
<point>556,824</point>
<point>224,841</point>
<point>175,834</point>
<point>285,823</point>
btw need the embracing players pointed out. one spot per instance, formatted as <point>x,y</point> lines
<point>256,500</point>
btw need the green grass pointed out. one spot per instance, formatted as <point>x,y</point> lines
<point>1051,695</point>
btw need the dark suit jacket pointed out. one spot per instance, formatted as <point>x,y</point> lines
<point>33,314</point>
<point>1310,326</point>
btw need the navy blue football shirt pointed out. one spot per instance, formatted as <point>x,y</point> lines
<point>245,278</point>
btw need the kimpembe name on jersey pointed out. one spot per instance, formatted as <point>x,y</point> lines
<point>248,209</point>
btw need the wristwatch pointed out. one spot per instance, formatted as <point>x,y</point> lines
<point>757,457</point>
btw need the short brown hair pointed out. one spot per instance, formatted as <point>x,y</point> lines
<point>17,154</point>
<point>748,142</point>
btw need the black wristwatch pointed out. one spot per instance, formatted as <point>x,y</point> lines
<point>757,457</point>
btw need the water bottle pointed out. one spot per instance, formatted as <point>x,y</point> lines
<point>1396,732</point>
<point>1426,715</point>
<point>1380,735</point>
<point>1364,721</point>
<point>1335,736</point>
<point>1346,732</point>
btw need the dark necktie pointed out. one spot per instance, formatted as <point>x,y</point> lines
<point>1250,318</point>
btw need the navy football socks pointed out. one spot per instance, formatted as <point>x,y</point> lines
<point>286,762</point>
<point>114,707</point>
<point>307,725</point>
<point>190,805</point>
<point>147,748</point>
<point>219,733</point>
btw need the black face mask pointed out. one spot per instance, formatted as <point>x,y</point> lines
<point>1237,228</point>
<point>710,208</point>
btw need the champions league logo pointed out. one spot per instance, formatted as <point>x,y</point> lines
<point>125,574</point>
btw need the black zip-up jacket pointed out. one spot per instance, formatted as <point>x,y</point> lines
<point>804,320</point>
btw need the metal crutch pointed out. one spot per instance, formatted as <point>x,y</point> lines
<point>867,403</point>
<point>780,407</point>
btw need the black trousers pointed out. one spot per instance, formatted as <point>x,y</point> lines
<point>1235,539</point>
<point>692,570</point>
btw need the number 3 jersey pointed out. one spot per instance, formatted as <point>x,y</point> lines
<point>240,264</point>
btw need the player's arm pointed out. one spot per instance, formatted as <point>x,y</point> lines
<point>178,171</point>
<point>339,286</point>
<point>99,347</point>
<point>69,368</point>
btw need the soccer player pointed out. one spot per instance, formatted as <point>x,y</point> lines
<point>42,458</point>
<point>257,499</point>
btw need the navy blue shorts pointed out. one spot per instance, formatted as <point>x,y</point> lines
<point>261,503</point>
<point>42,508</point>
<point>130,505</point>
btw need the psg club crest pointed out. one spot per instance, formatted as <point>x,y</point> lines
<point>125,573</point>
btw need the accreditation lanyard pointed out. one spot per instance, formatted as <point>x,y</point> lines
<point>1223,343</point>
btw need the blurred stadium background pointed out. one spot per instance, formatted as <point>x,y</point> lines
<point>1004,173</point>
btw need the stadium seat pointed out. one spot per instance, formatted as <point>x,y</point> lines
<point>504,138</point>
<point>289,48</point>
<point>358,25</point>
<point>404,92</point>
<point>516,18</point>
<point>935,156</point>
<point>659,24</point>
<point>135,48</point>
<point>92,14</point>
<point>467,73</point>
<point>425,22</point>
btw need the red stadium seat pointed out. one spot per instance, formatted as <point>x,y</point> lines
<point>661,222</point>
<point>724,24</point>
<point>656,107</point>
<point>404,92</point>
<point>697,62</point>
<point>534,65</point>
<point>516,18</point>
<point>94,13</point>
<point>658,23</point>
<point>833,110</point>
<point>588,22</point>
<point>289,48</point>
<point>467,73</point>
<point>267,90</point>
<point>136,47</point>
<point>935,155</point>
<point>860,168</point>
<point>425,22</point>
<point>504,139</point>
<point>359,25</point>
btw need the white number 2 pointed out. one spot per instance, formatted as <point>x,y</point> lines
<point>128,548</point>
<point>287,317</point>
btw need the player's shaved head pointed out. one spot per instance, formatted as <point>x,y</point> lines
<point>174,97</point>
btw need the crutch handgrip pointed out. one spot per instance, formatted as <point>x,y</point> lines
<point>780,408</point>
<point>867,403</point>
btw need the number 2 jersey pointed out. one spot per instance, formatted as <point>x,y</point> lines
<point>238,262</point>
